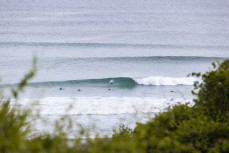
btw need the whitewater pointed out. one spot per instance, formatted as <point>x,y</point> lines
<point>115,62</point>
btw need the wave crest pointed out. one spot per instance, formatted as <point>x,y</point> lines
<point>166,81</point>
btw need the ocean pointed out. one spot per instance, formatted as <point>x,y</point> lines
<point>115,62</point>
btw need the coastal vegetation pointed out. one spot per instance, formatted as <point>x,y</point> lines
<point>201,127</point>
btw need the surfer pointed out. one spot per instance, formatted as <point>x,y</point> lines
<point>111,81</point>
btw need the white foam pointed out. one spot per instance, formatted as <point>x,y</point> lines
<point>172,81</point>
<point>104,113</point>
<point>97,105</point>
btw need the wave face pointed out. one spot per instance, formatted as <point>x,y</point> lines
<point>123,82</point>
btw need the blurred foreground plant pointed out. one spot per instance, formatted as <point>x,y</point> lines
<point>213,94</point>
<point>14,126</point>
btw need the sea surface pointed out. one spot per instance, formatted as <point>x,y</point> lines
<point>114,61</point>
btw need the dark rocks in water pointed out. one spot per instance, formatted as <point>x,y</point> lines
<point>109,89</point>
<point>79,90</point>
<point>172,91</point>
<point>60,88</point>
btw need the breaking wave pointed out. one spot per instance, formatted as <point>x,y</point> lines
<point>123,82</point>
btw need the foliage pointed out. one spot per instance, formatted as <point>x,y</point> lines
<point>14,126</point>
<point>213,94</point>
<point>181,128</point>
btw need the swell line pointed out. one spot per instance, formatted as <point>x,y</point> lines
<point>118,45</point>
<point>145,58</point>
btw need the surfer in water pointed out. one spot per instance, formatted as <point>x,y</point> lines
<point>110,83</point>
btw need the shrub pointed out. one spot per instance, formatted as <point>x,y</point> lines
<point>213,94</point>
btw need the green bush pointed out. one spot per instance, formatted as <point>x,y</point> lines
<point>213,94</point>
<point>13,128</point>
